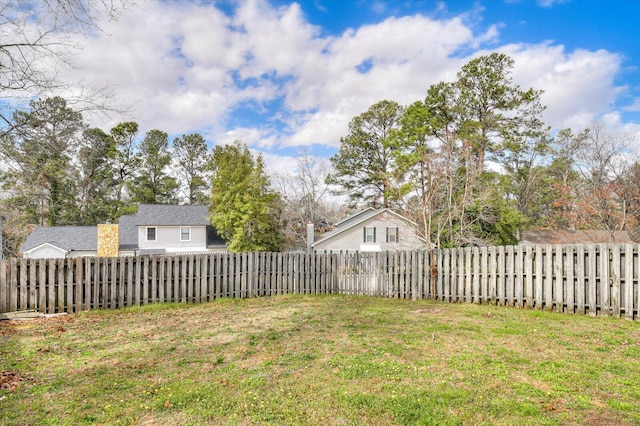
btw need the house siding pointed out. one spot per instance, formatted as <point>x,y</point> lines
<point>168,238</point>
<point>352,239</point>
<point>45,252</point>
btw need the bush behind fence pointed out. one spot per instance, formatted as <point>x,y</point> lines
<point>594,279</point>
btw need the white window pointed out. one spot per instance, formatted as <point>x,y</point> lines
<point>392,234</point>
<point>369,234</point>
<point>185,233</point>
<point>151,234</point>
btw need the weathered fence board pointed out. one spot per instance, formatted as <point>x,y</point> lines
<point>587,279</point>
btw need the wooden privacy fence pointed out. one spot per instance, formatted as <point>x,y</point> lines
<point>595,279</point>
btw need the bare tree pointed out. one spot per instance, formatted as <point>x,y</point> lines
<point>602,164</point>
<point>306,199</point>
<point>36,40</point>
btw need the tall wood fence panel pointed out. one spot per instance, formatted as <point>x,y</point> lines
<point>597,279</point>
<point>589,279</point>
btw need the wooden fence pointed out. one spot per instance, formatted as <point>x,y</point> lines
<point>593,279</point>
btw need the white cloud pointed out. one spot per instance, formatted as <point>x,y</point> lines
<point>187,67</point>
<point>578,86</point>
<point>550,3</point>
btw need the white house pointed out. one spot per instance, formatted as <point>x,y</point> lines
<point>370,230</point>
<point>154,229</point>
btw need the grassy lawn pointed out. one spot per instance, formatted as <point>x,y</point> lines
<point>331,360</point>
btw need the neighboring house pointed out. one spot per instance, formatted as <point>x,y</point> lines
<point>370,230</point>
<point>155,229</point>
<point>158,229</point>
<point>60,242</point>
<point>544,236</point>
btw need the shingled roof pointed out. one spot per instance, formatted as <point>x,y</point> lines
<point>562,236</point>
<point>171,215</point>
<point>64,237</point>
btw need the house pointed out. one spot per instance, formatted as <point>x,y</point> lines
<point>61,242</point>
<point>369,230</point>
<point>160,229</point>
<point>561,236</point>
<point>154,229</point>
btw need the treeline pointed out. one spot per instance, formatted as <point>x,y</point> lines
<point>474,164</point>
<point>57,171</point>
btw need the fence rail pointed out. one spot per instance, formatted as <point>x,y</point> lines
<point>591,279</point>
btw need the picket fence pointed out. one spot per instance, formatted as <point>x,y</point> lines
<point>599,279</point>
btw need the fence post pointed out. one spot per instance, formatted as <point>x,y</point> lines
<point>3,286</point>
<point>592,291</point>
<point>628,281</point>
<point>615,281</point>
<point>518,279</point>
<point>22,289</point>
<point>571,286</point>
<point>528,277</point>
<point>510,259</point>
<point>484,279</point>
<point>476,275</point>
<point>580,278</point>
<point>539,282</point>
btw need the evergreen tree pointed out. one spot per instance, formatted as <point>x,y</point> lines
<point>39,174</point>
<point>364,165</point>
<point>126,162</point>
<point>190,152</point>
<point>245,210</point>
<point>95,159</point>
<point>152,184</point>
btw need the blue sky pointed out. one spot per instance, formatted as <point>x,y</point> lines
<point>289,76</point>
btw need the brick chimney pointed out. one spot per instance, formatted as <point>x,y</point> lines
<point>108,240</point>
<point>310,237</point>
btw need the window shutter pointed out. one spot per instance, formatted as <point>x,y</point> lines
<point>397,234</point>
<point>374,234</point>
<point>387,234</point>
<point>364,234</point>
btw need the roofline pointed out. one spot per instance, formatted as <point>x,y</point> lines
<point>46,244</point>
<point>351,216</point>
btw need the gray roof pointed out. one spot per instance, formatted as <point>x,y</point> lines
<point>563,236</point>
<point>127,233</point>
<point>369,211</point>
<point>168,215</point>
<point>65,237</point>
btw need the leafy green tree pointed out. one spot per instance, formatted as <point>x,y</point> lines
<point>245,210</point>
<point>190,152</point>
<point>152,184</point>
<point>364,166</point>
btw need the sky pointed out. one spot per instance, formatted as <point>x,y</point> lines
<point>287,77</point>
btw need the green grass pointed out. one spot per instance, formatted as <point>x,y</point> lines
<point>332,360</point>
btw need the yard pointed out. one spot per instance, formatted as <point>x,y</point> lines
<point>335,360</point>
